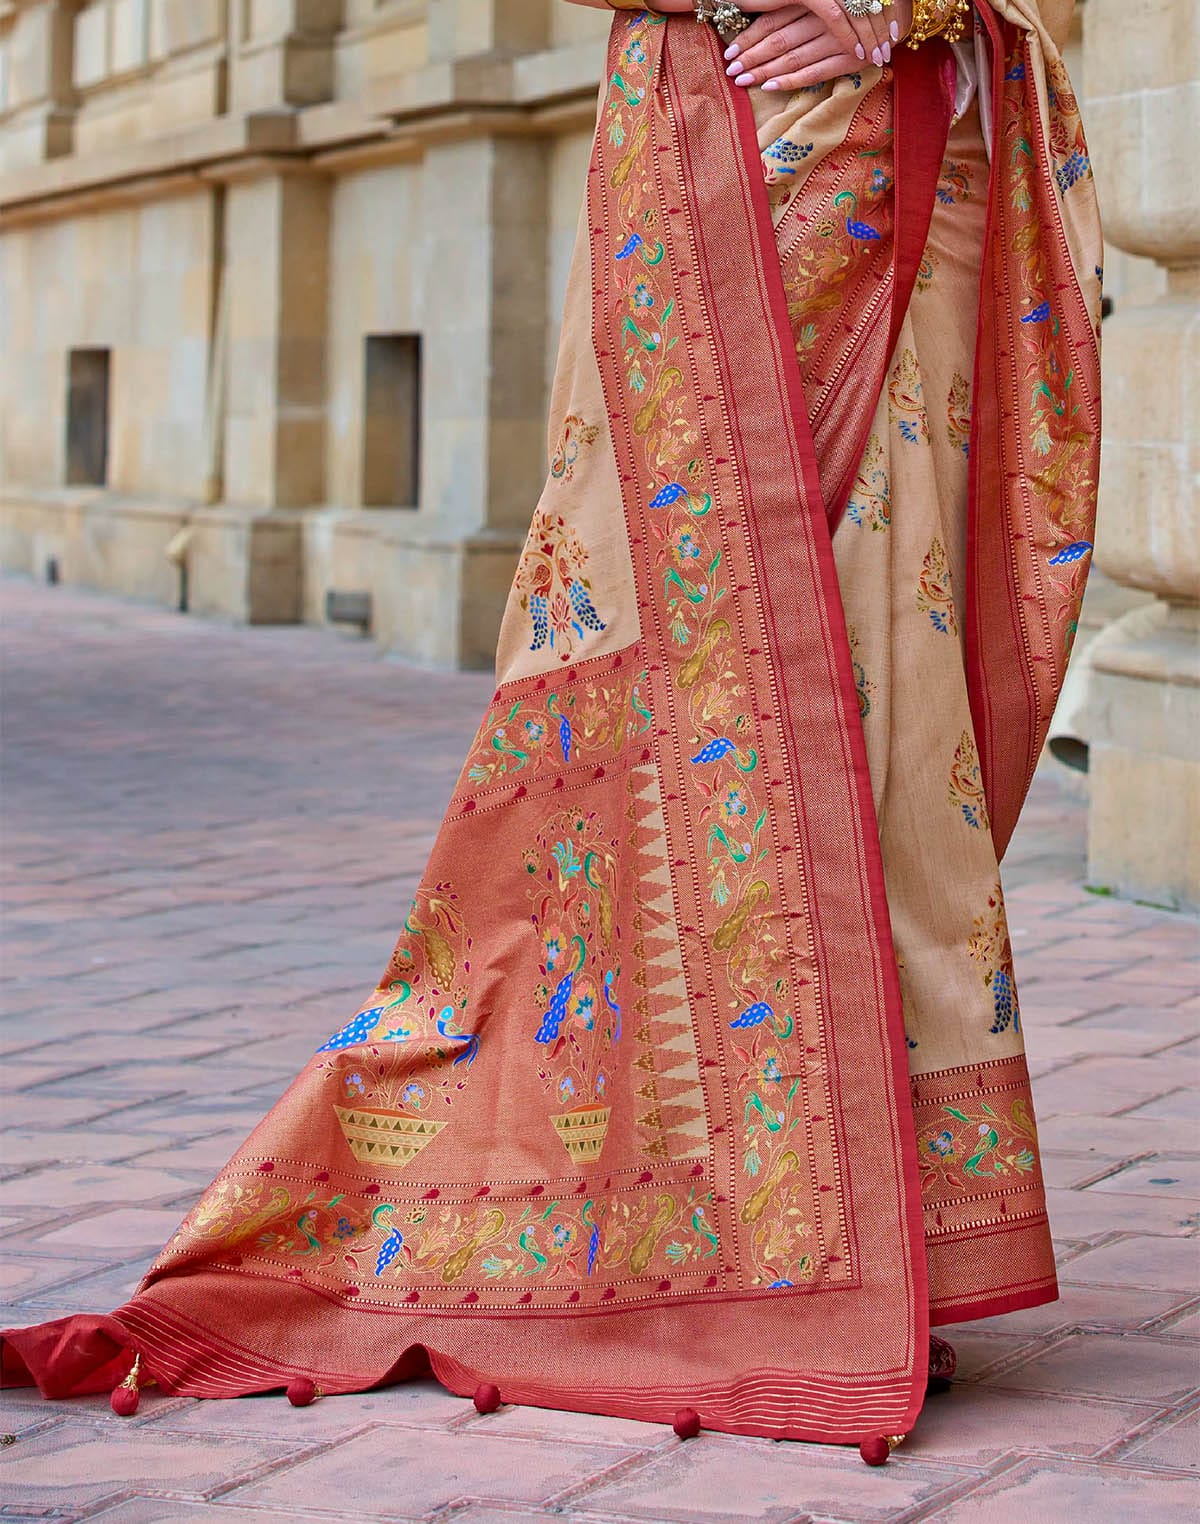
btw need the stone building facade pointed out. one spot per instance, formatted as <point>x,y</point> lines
<point>279,293</point>
<point>284,275</point>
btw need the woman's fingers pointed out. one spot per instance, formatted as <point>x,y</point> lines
<point>820,73</point>
<point>751,59</point>
<point>810,54</point>
<point>763,27</point>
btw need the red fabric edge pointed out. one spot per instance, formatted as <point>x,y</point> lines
<point>969,1310</point>
<point>914,1224</point>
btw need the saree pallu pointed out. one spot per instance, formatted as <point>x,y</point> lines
<point>649,1108</point>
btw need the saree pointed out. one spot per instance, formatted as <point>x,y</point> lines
<point>696,1076</point>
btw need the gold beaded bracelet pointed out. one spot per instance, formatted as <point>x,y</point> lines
<point>938,18</point>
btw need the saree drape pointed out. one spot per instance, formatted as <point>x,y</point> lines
<point>650,1108</point>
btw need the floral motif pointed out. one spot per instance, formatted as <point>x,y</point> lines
<point>574,436</point>
<point>977,1141</point>
<point>907,400</point>
<point>443,1245</point>
<point>870,501</point>
<point>1060,469</point>
<point>934,594</point>
<point>1067,143</point>
<point>572,868</point>
<point>866,688</point>
<point>548,731</point>
<point>990,946</point>
<point>954,183</point>
<point>966,784</point>
<point>958,413</point>
<point>404,1058</point>
<point>554,591</point>
<point>855,231</point>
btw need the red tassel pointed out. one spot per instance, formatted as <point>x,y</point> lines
<point>687,1423</point>
<point>487,1397</point>
<point>125,1397</point>
<point>876,1450</point>
<point>302,1391</point>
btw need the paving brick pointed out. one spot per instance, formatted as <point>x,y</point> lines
<point>1037,1492</point>
<point>717,1480</point>
<point>1137,1367</point>
<point>393,1472</point>
<point>978,1425</point>
<point>77,1464</point>
<point>1176,1445</point>
<point>1166,1263</point>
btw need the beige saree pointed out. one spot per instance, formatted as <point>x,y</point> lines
<point>696,1078</point>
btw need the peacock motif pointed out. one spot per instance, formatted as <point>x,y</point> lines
<point>991,947</point>
<point>553,589</point>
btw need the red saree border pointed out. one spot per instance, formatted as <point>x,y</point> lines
<point>870,859</point>
<point>1016,660</point>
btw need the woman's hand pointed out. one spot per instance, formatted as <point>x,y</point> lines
<point>790,45</point>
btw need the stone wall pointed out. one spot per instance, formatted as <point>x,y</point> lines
<point>236,202</point>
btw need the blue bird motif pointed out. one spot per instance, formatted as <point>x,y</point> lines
<point>356,1030</point>
<point>445,1025</point>
<point>1038,314</point>
<point>754,1015</point>
<point>539,614</point>
<point>631,245</point>
<point>388,1250</point>
<point>611,1003</point>
<point>1073,552</point>
<point>862,230</point>
<point>553,1019</point>
<point>582,604</point>
<point>669,494</point>
<point>564,737</point>
<point>714,750</point>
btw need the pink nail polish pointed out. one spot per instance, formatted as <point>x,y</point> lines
<point>771,84</point>
<point>744,79</point>
<point>887,52</point>
<point>734,69</point>
<point>877,58</point>
<point>858,48</point>
<point>895,31</point>
<point>733,50</point>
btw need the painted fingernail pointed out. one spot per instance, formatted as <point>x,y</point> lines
<point>860,50</point>
<point>733,50</point>
<point>887,52</point>
<point>894,29</point>
<point>771,84</point>
<point>734,69</point>
<point>744,79</point>
<point>877,58</point>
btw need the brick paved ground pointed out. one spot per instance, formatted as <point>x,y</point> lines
<point>210,839</point>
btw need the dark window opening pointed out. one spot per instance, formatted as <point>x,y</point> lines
<point>392,421</point>
<point>87,417</point>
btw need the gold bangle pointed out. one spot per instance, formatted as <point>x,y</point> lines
<point>938,18</point>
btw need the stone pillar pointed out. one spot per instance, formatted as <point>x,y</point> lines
<point>479,259</point>
<point>284,53</point>
<point>1143,72</point>
<point>245,559</point>
<point>41,94</point>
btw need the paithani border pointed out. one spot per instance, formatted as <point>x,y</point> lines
<point>644,186</point>
<point>985,1200</point>
<point>576,740</point>
<point>1015,663</point>
<point>797,588</point>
